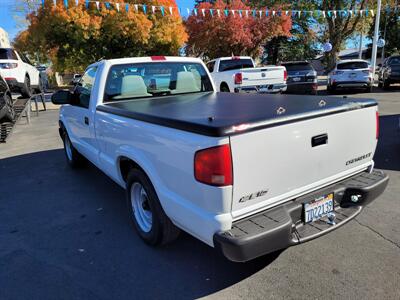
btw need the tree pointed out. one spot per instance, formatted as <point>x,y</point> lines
<point>75,37</point>
<point>213,36</point>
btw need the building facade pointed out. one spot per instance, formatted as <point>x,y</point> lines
<point>4,40</point>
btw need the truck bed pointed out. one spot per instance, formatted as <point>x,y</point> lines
<point>226,114</point>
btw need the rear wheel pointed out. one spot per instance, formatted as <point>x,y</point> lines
<point>8,108</point>
<point>74,158</point>
<point>26,88</point>
<point>145,211</point>
<point>224,88</point>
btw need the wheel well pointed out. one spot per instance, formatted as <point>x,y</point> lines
<point>27,75</point>
<point>224,84</point>
<point>125,165</point>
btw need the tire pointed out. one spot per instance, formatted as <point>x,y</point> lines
<point>224,88</point>
<point>145,211</point>
<point>386,84</point>
<point>10,112</point>
<point>26,91</point>
<point>330,89</point>
<point>74,158</point>
<point>369,89</point>
<point>380,84</point>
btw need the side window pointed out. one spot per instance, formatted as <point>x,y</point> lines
<point>210,66</point>
<point>84,87</point>
<point>22,57</point>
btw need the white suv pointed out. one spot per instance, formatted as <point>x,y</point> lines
<point>352,73</point>
<point>19,73</point>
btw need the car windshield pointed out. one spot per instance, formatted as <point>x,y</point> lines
<point>353,65</point>
<point>298,67</point>
<point>235,64</point>
<point>155,79</point>
<point>6,53</point>
<point>394,60</point>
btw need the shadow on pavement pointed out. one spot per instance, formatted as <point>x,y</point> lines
<point>387,154</point>
<point>65,234</point>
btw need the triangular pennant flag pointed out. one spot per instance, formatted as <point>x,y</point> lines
<point>87,3</point>
<point>170,10</point>
<point>98,5</point>
<point>218,13</point>
<point>299,12</point>
<point>329,13</point>
<point>136,7</point>
<point>153,9</point>
<point>311,13</point>
<point>117,6</point>
<point>334,13</point>
<point>294,13</point>
<point>42,3</point>
<point>203,12</point>
<point>273,13</point>
<point>286,12</point>
<point>211,12</point>
<point>126,7</point>
<point>247,13</point>
<point>226,12</point>
<point>366,12</point>
<point>162,10</point>
<point>107,4</point>
<point>361,12</point>
<point>254,13</point>
<point>372,12</point>
<point>240,13</point>
<point>233,12</point>
<point>344,13</point>
<point>350,13</point>
<point>144,7</point>
<point>195,11</point>
<point>323,14</point>
<point>260,12</point>
<point>66,4</point>
<point>267,13</point>
<point>55,2</point>
<point>188,11</point>
<point>76,2</point>
<point>179,11</point>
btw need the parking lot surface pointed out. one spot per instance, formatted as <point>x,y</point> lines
<point>64,234</point>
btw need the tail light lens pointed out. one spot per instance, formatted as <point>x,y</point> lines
<point>285,75</point>
<point>8,65</point>
<point>213,166</point>
<point>238,78</point>
<point>377,125</point>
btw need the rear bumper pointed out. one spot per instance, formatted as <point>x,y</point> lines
<point>305,87</point>
<point>351,84</point>
<point>268,89</point>
<point>283,226</point>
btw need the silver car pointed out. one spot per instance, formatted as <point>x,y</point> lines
<point>350,74</point>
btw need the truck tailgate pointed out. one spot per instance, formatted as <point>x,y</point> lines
<point>262,76</point>
<point>279,163</point>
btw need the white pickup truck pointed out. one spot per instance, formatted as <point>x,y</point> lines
<point>238,74</point>
<point>248,174</point>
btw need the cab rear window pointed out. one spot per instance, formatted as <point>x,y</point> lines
<point>7,54</point>
<point>235,64</point>
<point>298,67</point>
<point>352,65</point>
<point>141,80</point>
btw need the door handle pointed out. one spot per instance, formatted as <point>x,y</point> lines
<point>319,140</point>
<point>86,120</point>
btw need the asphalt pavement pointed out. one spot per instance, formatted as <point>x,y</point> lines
<point>64,234</point>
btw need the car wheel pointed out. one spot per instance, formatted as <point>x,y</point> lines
<point>26,91</point>
<point>10,112</point>
<point>386,84</point>
<point>369,89</point>
<point>145,211</point>
<point>74,158</point>
<point>224,88</point>
<point>380,85</point>
<point>331,89</point>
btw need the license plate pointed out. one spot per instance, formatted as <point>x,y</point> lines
<point>296,79</point>
<point>318,208</point>
<point>353,75</point>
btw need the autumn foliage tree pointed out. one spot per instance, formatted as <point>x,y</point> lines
<point>212,36</point>
<point>74,37</point>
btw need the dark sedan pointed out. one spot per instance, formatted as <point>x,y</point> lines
<point>389,72</point>
<point>302,78</point>
<point>7,112</point>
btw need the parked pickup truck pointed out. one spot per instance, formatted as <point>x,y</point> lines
<point>239,74</point>
<point>248,174</point>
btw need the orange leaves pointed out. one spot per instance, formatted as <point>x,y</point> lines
<point>214,36</point>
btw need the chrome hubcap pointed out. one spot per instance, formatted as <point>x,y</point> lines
<point>140,207</point>
<point>68,149</point>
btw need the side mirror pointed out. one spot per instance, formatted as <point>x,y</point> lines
<point>62,97</point>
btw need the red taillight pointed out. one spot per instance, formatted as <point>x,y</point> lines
<point>9,78</point>
<point>213,166</point>
<point>284,75</point>
<point>377,125</point>
<point>157,57</point>
<point>238,78</point>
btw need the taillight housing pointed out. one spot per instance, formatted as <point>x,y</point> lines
<point>377,125</point>
<point>8,65</point>
<point>238,78</point>
<point>285,75</point>
<point>213,166</point>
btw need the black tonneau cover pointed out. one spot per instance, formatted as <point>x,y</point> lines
<point>224,114</point>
